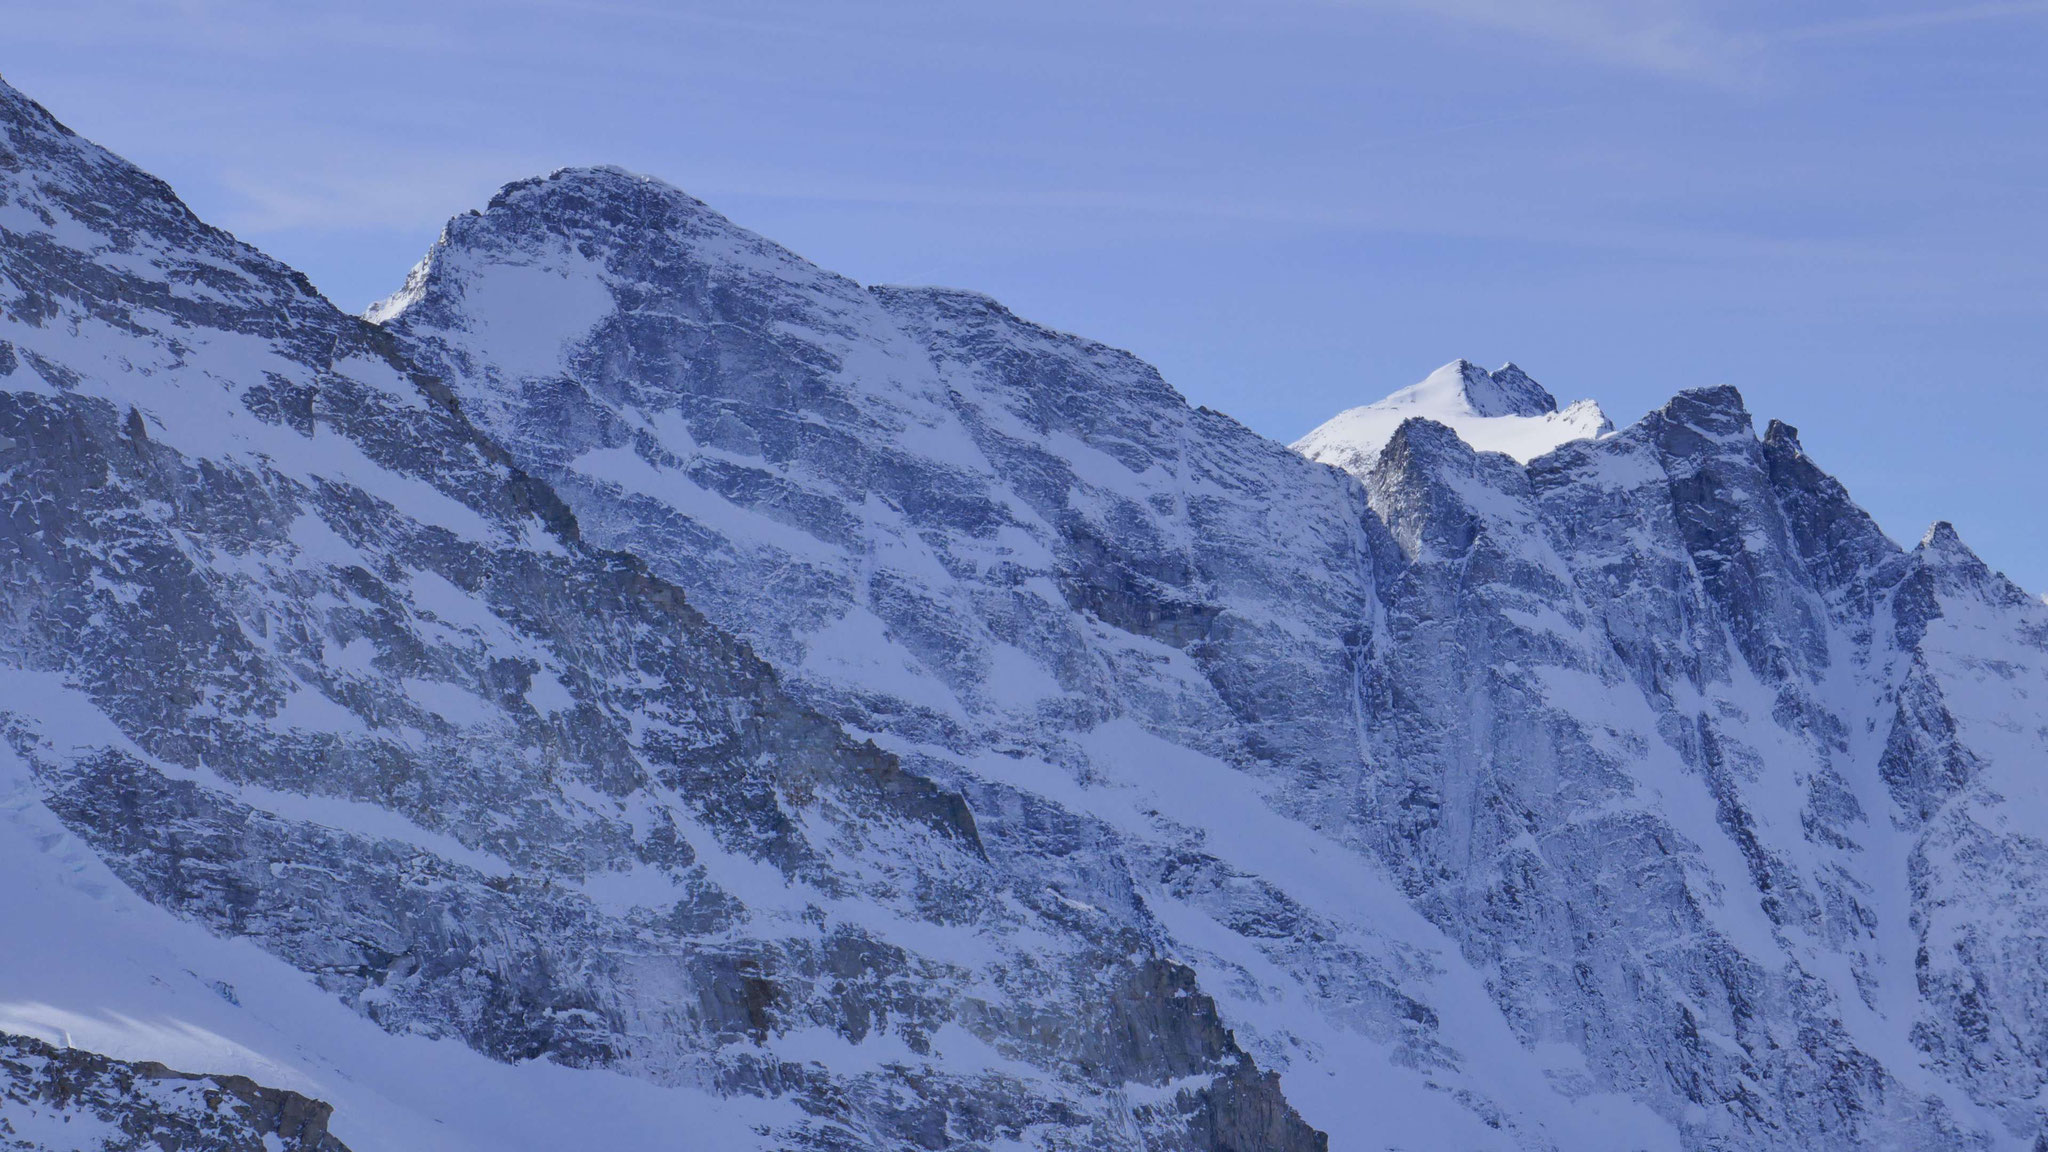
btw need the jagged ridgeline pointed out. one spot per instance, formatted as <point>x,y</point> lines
<point>637,689</point>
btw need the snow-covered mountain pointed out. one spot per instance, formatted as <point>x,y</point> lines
<point>1502,411</point>
<point>639,689</point>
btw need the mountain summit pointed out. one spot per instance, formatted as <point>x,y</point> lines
<point>637,689</point>
<point>1501,411</point>
<point>1508,392</point>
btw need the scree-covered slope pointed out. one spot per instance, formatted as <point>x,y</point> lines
<point>641,688</point>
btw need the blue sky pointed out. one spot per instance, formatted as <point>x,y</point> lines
<point>1290,207</point>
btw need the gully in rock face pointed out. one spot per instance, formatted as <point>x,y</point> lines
<point>636,681</point>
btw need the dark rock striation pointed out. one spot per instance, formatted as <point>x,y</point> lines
<point>897,725</point>
<point>60,1098</point>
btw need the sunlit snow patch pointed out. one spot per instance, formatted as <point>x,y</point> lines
<point>1503,411</point>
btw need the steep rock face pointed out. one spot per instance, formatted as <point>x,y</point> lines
<point>1721,661</point>
<point>1577,777</point>
<point>1963,757</point>
<point>843,717</point>
<point>304,658</point>
<point>1617,722</point>
<point>1125,629</point>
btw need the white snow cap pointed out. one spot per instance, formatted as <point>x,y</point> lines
<point>1500,411</point>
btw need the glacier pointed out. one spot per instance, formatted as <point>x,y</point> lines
<point>635,686</point>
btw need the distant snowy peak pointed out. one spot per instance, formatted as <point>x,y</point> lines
<point>1508,392</point>
<point>1500,411</point>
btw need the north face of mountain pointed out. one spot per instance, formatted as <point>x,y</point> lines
<point>295,654</point>
<point>1603,743</point>
<point>637,682</point>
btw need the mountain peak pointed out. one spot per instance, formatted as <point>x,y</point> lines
<point>1780,433</point>
<point>1507,392</point>
<point>18,105</point>
<point>1708,421</point>
<point>1461,384</point>
<point>916,676</point>
<point>1942,537</point>
<point>604,182</point>
<point>606,205</point>
<point>1505,410</point>
<point>540,263</point>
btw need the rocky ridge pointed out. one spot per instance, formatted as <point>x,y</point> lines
<point>303,658</point>
<point>869,717</point>
<point>62,1097</point>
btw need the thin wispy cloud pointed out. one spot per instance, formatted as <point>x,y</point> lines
<point>227,27</point>
<point>1685,39</point>
<point>1668,36</point>
<point>1913,21</point>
